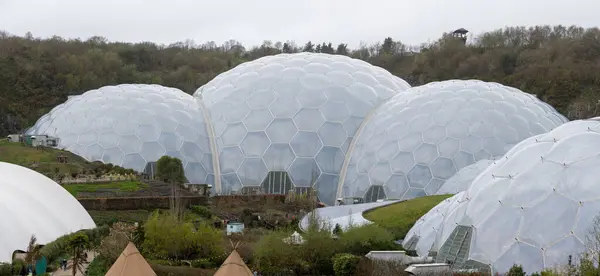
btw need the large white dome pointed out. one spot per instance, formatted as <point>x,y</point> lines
<point>130,125</point>
<point>31,203</point>
<point>294,113</point>
<point>535,206</point>
<point>423,136</point>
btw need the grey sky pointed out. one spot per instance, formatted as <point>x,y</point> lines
<point>251,22</point>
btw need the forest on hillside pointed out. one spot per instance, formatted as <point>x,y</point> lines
<point>559,64</point>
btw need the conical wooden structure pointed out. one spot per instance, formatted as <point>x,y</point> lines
<point>233,265</point>
<point>131,263</point>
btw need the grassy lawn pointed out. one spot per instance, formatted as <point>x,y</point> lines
<point>400,217</point>
<point>17,153</point>
<point>123,186</point>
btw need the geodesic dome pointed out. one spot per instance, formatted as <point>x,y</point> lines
<point>130,125</point>
<point>32,204</point>
<point>534,207</point>
<point>462,179</point>
<point>418,139</point>
<point>422,235</point>
<point>286,121</point>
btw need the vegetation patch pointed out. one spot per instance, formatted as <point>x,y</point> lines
<point>122,186</point>
<point>42,160</point>
<point>401,216</point>
<point>110,217</point>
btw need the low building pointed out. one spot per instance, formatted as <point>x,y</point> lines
<point>14,138</point>
<point>40,141</point>
<point>235,227</point>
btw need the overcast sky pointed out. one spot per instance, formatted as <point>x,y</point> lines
<point>252,21</point>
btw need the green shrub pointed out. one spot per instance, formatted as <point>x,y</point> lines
<point>18,267</point>
<point>53,251</point>
<point>361,240</point>
<point>202,211</point>
<point>345,264</point>
<point>5,269</point>
<point>203,263</point>
<point>98,267</point>
<point>516,270</point>
<point>166,237</point>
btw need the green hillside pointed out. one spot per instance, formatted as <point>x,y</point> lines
<point>41,160</point>
<point>401,216</point>
<point>559,64</point>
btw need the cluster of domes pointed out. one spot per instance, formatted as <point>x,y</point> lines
<point>290,122</point>
<point>522,176</point>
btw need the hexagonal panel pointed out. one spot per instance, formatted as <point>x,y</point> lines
<point>230,183</point>
<point>134,161</point>
<point>284,107</point>
<point>261,99</point>
<point>108,139</point>
<point>419,176</point>
<point>330,159</point>
<point>130,144</point>
<point>252,172</point>
<point>396,186</point>
<point>442,168</point>
<point>281,130</point>
<point>258,120</point>
<point>147,133</point>
<point>187,133</point>
<point>195,173</point>
<point>152,151</point>
<point>306,144</point>
<point>238,112</point>
<point>124,127</point>
<point>170,141</point>
<point>332,134</point>
<point>278,157</point>
<point>335,111</point>
<point>311,98</point>
<point>308,119</point>
<point>113,156</point>
<point>380,173</point>
<point>94,152</point>
<point>255,144</point>
<point>87,138</point>
<point>326,187</point>
<point>233,134</point>
<point>425,154</point>
<point>304,172</point>
<point>230,159</point>
<point>192,152</point>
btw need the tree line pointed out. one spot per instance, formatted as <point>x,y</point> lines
<point>559,64</point>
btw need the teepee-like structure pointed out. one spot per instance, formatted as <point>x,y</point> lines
<point>233,265</point>
<point>131,263</point>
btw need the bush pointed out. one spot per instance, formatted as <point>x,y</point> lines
<point>273,256</point>
<point>361,240</point>
<point>516,270</point>
<point>98,267</point>
<point>202,211</point>
<point>5,269</point>
<point>168,238</point>
<point>203,263</point>
<point>58,248</point>
<point>18,267</point>
<point>345,264</point>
